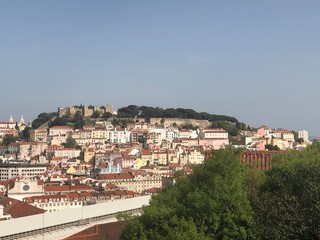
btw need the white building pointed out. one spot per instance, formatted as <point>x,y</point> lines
<point>184,133</point>
<point>161,130</point>
<point>137,183</point>
<point>67,153</point>
<point>218,133</point>
<point>171,134</point>
<point>10,124</point>
<point>59,130</point>
<point>288,136</point>
<point>11,170</point>
<point>195,157</point>
<point>304,135</point>
<point>119,136</point>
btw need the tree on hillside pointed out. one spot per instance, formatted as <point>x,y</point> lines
<point>95,114</point>
<point>300,140</point>
<point>25,133</point>
<point>287,205</point>
<point>59,121</point>
<point>116,122</point>
<point>106,115</point>
<point>295,134</point>
<point>42,118</point>
<point>9,138</point>
<point>132,111</point>
<point>272,148</point>
<point>71,143</point>
<point>227,126</point>
<point>211,203</point>
<point>78,120</point>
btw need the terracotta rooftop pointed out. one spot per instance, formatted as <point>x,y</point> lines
<point>109,231</point>
<point>18,208</point>
<point>113,176</point>
<point>67,188</point>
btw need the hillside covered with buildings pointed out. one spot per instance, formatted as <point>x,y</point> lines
<point>82,156</point>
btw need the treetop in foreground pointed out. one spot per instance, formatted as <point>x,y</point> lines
<point>211,203</point>
<point>224,199</point>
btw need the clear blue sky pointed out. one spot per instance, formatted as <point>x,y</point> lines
<point>258,61</point>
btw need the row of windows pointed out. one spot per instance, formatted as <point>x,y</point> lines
<point>58,204</point>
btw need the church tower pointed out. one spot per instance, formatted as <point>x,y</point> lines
<point>21,121</point>
<point>11,119</point>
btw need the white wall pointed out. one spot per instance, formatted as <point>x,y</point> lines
<point>19,225</point>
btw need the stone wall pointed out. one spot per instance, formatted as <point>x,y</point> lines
<point>85,110</point>
<point>181,122</point>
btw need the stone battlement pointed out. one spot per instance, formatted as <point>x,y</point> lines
<point>85,111</point>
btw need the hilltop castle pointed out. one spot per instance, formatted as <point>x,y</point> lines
<point>86,111</point>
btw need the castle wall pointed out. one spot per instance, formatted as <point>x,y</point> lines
<point>181,122</point>
<point>85,111</point>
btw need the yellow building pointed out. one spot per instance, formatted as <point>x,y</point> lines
<point>76,169</point>
<point>88,156</point>
<point>140,163</point>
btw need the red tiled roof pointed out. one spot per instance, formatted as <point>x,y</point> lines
<point>60,127</point>
<point>153,190</point>
<point>112,176</point>
<point>18,208</point>
<point>11,182</point>
<point>111,230</point>
<point>67,188</point>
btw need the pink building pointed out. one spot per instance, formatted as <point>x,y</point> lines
<point>125,162</point>
<point>215,143</point>
<point>263,131</point>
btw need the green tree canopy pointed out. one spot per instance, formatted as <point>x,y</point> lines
<point>95,114</point>
<point>230,128</point>
<point>272,148</point>
<point>132,111</point>
<point>25,133</point>
<point>78,120</point>
<point>71,143</point>
<point>9,138</point>
<point>42,118</point>
<point>106,115</point>
<point>287,205</point>
<point>211,203</point>
<point>59,121</point>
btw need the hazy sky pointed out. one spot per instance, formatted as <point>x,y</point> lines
<point>258,61</point>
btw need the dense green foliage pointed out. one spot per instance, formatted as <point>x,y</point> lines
<point>9,138</point>
<point>42,119</point>
<point>230,124</point>
<point>211,203</point>
<point>232,128</point>
<point>59,121</point>
<point>223,199</point>
<point>25,134</point>
<point>71,143</point>
<point>132,111</point>
<point>95,114</point>
<point>75,121</point>
<point>271,147</point>
<point>288,202</point>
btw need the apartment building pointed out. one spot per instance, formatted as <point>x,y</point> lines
<point>119,136</point>
<point>128,181</point>
<point>11,170</point>
<point>59,130</point>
